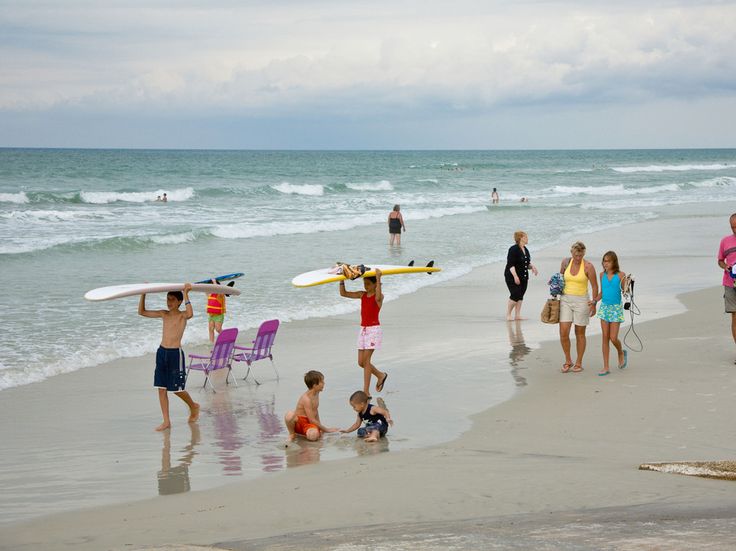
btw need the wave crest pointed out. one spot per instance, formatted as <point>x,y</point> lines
<point>300,189</point>
<point>18,198</point>
<point>667,168</point>
<point>104,197</point>
<point>383,185</point>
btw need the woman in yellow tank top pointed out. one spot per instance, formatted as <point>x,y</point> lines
<point>576,306</point>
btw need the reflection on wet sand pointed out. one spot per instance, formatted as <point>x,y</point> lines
<point>230,437</point>
<point>175,480</point>
<point>518,350</point>
<point>227,433</point>
<point>304,452</point>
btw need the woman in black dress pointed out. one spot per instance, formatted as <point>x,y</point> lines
<point>518,264</point>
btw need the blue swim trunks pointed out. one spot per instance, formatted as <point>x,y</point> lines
<point>171,372</point>
<point>369,427</point>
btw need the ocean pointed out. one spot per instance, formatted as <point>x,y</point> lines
<point>72,220</point>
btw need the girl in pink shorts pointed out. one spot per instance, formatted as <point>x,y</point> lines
<point>370,335</point>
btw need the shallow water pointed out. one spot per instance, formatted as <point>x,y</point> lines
<point>72,220</point>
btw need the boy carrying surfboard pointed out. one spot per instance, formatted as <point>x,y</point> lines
<point>170,374</point>
<point>370,334</point>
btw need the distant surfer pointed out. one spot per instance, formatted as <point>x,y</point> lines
<point>494,197</point>
<point>165,198</point>
<point>395,225</point>
<point>158,198</point>
<point>370,335</point>
<point>171,374</point>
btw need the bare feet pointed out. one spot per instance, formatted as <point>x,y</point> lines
<point>577,368</point>
<point>371,438</point>
<point>163,426</point>
<point>194,413</point>
<point>519,319</point>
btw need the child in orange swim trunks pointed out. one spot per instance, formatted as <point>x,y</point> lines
<point>304,420</point>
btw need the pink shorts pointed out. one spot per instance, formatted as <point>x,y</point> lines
<point>369,338</point>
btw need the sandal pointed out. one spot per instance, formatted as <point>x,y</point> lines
<point>577,368</point>
<point>566,368</point>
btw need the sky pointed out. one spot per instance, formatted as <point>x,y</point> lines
<point>344,74</point>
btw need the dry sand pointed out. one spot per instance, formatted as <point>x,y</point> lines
<point>562,454</point>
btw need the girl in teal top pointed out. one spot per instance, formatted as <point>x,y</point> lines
<point>611,312</point>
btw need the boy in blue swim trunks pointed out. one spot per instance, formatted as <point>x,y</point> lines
<point>376,419</point>
<point>171,375</point>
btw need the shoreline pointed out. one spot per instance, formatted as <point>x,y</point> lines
<point>400,463</point>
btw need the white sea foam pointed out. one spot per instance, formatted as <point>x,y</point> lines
<point>174,238</point>
<point>383,185</point>
<point>715,182</point>
<point>614,190</point>
<point>676,168</point>
<point>303,189</point>
<point>430,180</point>
<point>442,211</point>
<point>19,198</point>
<point>103,197</point>
<point>48,215</point>
<point>246,230</point>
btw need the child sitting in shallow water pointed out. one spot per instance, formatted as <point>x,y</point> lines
<point>377,419</point>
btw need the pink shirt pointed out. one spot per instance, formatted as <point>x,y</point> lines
<point>727,252</point>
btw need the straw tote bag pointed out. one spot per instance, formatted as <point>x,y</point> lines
<point>551,311</point>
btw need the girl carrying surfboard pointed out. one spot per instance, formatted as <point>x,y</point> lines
<point>370,335</point>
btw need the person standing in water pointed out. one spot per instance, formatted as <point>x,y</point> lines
<point>516,274</point>
<point>395,225</point>
<point>494,197</point>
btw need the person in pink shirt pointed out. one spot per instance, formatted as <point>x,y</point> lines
<point>727,260</point>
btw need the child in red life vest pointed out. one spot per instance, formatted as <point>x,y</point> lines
<point>215,313</point>
<point>370,335</point>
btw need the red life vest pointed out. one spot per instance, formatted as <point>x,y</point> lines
<point>215,304</point>
<point>369,309</point>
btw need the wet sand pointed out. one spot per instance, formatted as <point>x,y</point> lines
<point>565,444</point>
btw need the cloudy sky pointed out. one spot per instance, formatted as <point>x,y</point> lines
<point>379,74</point>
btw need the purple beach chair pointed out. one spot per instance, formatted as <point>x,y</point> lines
<point>220,358</point>
<point>261,348</point>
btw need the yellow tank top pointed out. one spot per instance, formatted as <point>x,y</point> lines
<point>576,284</point>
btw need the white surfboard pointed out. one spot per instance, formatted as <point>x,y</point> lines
<point>120,291</point>
<point>327,275</point>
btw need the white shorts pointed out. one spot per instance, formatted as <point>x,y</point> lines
<point>369,338</point>
<point>575,309</point>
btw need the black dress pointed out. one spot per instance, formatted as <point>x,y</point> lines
<point>519,259</point>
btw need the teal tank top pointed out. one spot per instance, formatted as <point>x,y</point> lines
<point>611,289</point>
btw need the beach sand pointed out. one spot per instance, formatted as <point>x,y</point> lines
<point>556,466</point>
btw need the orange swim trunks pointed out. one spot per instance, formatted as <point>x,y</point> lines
<point>303,425</point>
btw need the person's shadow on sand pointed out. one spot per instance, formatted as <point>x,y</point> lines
<point>175,480</point>
<point>519,349</point>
